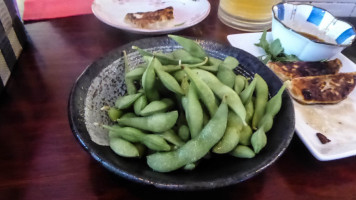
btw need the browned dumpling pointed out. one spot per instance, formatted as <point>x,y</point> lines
<point>289,70</point>
<point>150,20</point>
<point>323,89</point>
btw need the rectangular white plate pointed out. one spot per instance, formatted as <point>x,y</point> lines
<point>337,122</point>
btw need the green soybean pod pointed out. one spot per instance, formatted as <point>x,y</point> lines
<point>231,62</point>
<point>155,142</point>
<point>130,86</point>
<point>275,103</point>
<point>245,135</point>
<point>221,90</point>
<point>158,106</point>
<point>258,140</point>
<point>169,81</point>
<point>185,57</point>
<point>172,138</point>
<point>231,136</point>
<point>247,93</point>
<point>127,115</point>
<point>149,79</point>
<point>183,132</point>
<point>194,149</point>
<point>212,65</point>
<point>260,101</point>
<point>226,75</point>
<point>198,64</point>
<point>179,75</point>
<point>190,166</point>
<point>165,59</point>
<point>242,151</point>
<point>185,84</point>
<point>114,113</point>
<point>272,108</point>
<point>203,90</point>
<point>139,104</point>
<point>123,147</point>
<point>159,122</point>
<point>228,142</point>
<point>190,46</point>
<point>194,112</point>
<point>239,83</point>
<point>126,101</point>
<point>171,68</point>
<point>127,133</point>
<point>135,74</point>
<point>249,111</point>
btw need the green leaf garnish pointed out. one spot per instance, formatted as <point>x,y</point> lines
<point>274,51</point>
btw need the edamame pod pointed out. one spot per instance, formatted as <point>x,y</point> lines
<point>226,75</point>
<point>185,57</point>
<point>165,59</point>
<point>123,148</point>
<point>185,84</point>
<point>203,90</point>
<point>194,112</point>
<point>172,137</point>
<point>249,111</point>
<point>260,101</point>
<point>242,151</point>
<point>221,90</point>
<point>135,74</point>
<point>245,135</point>
<point>157,107</point>
<point>183,132</point>
<point>239,84</point>
<point>169,81</point>
<point>130,85</point>
<point>230,62</point>
<point>190,46</point>
<point>228,142</point>
<point>114,113</point>
<point>159,122</point>
<point>148,80</point>
<point>231,136</point>
<point>152,141</point>
<point>212,65</point>
<point>247,93</point>
<point>126,101</point>
<point>140,104</point>
<point>272,108</point>
<point>258,140</point>
<point>195,148</point>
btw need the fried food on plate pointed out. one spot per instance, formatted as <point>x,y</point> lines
<point>289,70</point>
<point>323,89</point>
<point>150,20</point>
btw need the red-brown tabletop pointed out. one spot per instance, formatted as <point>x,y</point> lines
<point>41,159</point>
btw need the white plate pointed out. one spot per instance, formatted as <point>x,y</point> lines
<point>336,122</point>
<point>186,13</point>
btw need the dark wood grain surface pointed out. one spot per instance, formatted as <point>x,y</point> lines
<point>40,158</point>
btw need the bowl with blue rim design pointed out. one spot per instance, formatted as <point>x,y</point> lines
<point>311,33</point>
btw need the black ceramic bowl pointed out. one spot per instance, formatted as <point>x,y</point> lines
<point>102,82</point>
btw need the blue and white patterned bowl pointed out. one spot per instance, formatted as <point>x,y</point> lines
<point>309,32</point>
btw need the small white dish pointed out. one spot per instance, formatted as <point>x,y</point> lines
<point>336,122</point>
<point>309,32</point>
<point>187,13</point>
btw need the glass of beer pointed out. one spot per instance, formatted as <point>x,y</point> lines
<point>247,15</point>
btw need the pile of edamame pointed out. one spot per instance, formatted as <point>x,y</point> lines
<point>184,105</point>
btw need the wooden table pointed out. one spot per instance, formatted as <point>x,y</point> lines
<point>41,159</point>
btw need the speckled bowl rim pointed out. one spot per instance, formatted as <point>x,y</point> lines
<point>291,29</point>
